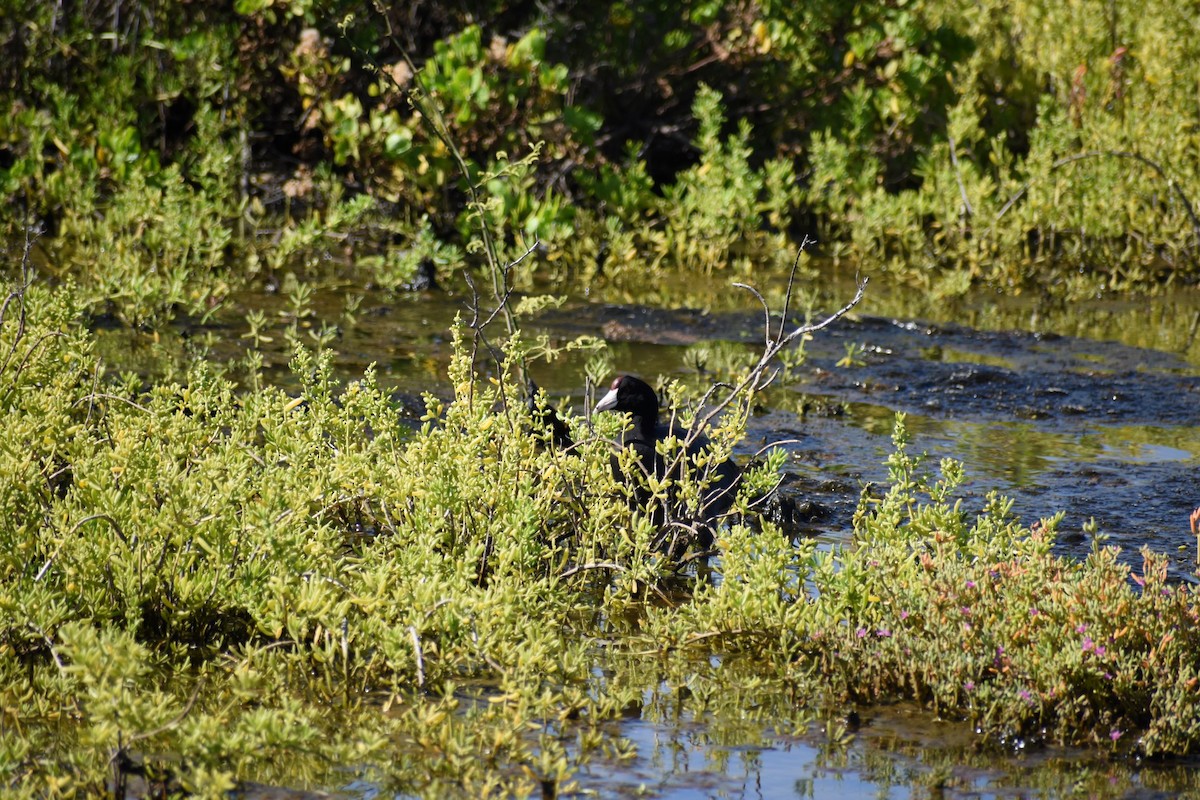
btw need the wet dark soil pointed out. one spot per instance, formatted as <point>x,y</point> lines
<point>1099,430</point>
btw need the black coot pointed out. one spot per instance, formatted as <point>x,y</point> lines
<point>635,397</point>
<point>547,419</point>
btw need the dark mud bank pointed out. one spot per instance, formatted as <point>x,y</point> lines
<point>1098,430</point>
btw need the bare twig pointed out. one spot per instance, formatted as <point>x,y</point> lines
<point>787,298</point>
<point>12,384</point>
<point>89,398</point>
<point>766,311</point>
<point>758,378</point>
<point>62,669</point>
<point>754,377</point>
<point>106,518</point>
<point>417,653</point>
<point>962,190</point>
<point>431,115</point>
<point>17,295</point>
<point>166,726</point>
<point>573,571</point>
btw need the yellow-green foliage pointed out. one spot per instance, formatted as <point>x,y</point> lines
<point>223,585</point>
<point>191,570</point>
<point>1017,143</point>
<point>1072,142</point>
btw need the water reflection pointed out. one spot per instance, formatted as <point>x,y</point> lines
<point>899,752</point>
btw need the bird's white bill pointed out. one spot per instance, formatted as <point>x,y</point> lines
<point>608,401</point>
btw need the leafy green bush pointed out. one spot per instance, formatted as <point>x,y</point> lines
<point>194,570</point>
<point>1012,145</point>
<point>977,619</point>
<point>1079,186</point>
<point>720,214</point>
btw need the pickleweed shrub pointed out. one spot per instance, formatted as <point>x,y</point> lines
<point>979,618</point>
<point>273,587</point>
<point>718,213</point>
<point>975,617</point>
<point>205,570</point>
<point>722,213</point>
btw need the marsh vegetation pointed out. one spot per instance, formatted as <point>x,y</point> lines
<point>213,575</point>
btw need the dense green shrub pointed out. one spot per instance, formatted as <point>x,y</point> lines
<point>1011,144</point>
<point>191,570</point>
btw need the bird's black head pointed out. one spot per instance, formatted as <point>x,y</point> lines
<point>631,395</point>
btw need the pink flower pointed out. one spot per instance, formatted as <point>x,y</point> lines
<point>1115,734</point>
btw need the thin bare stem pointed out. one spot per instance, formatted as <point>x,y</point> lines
<point>962,189</point>
<point>417,654</point>
<point>805,243</point>
<point>431,114</point>
<point>766,310</point>
<point>753,379</point>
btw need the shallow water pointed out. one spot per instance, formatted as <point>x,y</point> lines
<point>1098,429</point>
<point>896,752</point>
<point>1089,409</point>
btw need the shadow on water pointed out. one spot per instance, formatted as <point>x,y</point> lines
<point>1088,409</point>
